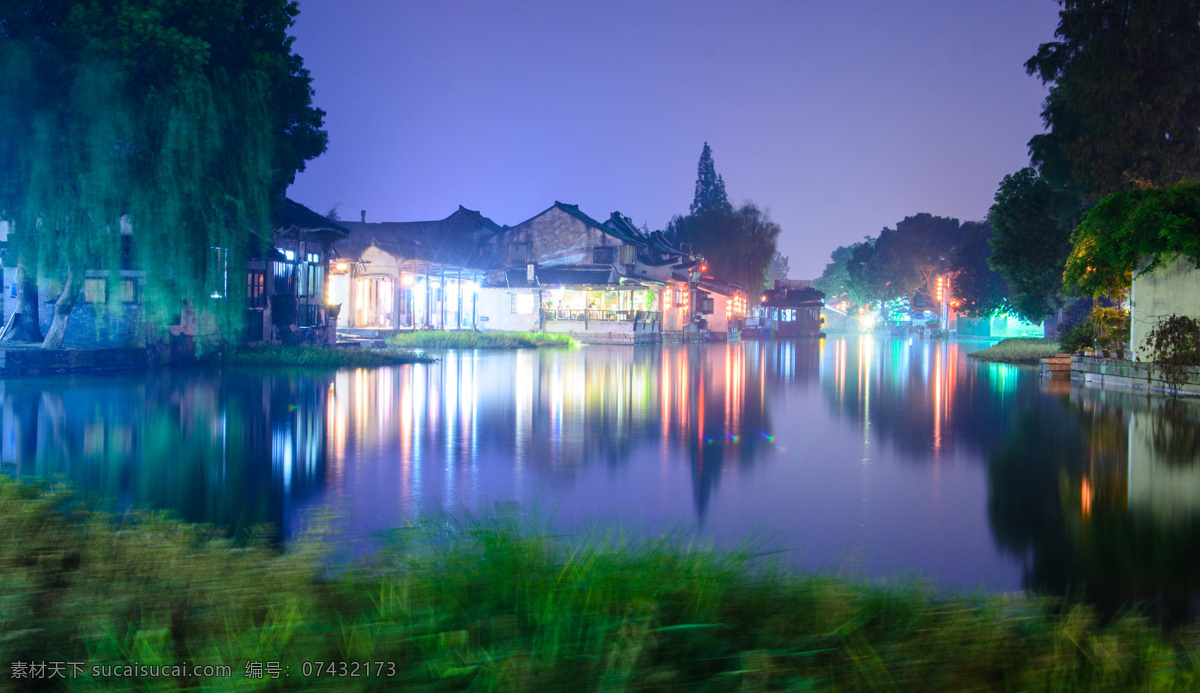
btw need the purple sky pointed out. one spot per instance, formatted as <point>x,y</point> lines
<point>839,117</point>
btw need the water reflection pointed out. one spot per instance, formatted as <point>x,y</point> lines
<point>1099,493</point>
<point>923,396</point>
<point>551,414</point>
<point>902,454</point>
<point>233,451</point>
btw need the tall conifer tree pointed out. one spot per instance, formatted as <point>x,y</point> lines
<point>710,187</point>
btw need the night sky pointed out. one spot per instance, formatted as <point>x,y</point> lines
<point>839,117</point>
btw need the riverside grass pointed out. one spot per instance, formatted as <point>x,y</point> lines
<point>490,605</point>
<point>317,357</point>
<point>467,339</point>
<point>1018,350</point>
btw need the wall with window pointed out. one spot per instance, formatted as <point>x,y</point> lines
<point>508,309</point>
<point>95,320</point>
<point>556,237</point>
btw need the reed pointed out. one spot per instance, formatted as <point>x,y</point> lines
<point>316,357</point>
<point>467,339</point>
<point>493,605</point>
<point>1018,350</point>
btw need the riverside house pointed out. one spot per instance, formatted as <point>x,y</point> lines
<point>286,291</point>
<point>412,274</point>
<point>793,308</point>
<point>563,271</point>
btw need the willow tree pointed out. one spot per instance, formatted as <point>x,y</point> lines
<point>16,133</point>
<point>205,189</point>
<point>175,122</point>
<point>78,179</point>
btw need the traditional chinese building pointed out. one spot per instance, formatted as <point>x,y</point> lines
<point>793,309</point>
<point>415,274</point>
<point>563,271</point>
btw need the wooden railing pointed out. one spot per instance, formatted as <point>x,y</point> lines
<point>592,315</point>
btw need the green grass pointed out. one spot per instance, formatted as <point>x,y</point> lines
<point>489,605</point>
<point>1018,350</point>
<point>466,339</point>
<point>316,357</point>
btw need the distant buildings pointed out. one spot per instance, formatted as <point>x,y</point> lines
<point>559,271</point>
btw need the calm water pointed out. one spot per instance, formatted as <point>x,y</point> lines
<point>870,455</point>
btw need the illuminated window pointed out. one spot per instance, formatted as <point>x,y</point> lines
<point>523,304</point>
<point>128,291</point>
<point>628,254</point>
<point>256,285</point>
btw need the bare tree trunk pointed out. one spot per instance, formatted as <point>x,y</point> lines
<point>25,327</point>
<point>62,309</point>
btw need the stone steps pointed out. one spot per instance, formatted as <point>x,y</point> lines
<point>1057,367</point>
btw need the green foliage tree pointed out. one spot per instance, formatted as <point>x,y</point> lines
<point>1124,107</point>
<point>979,290</point>
<point>181,121</point>
<point>739,244</point>
<point>909,258</point>
<point>1134,231</point>
<point>779,267</point>
<point>1031,240</point>
<point>843,274</point>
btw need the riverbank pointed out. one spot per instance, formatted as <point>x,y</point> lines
<point>467,339</point>
<point>29,358</point>
<point>492,606</point>
<point>269,355</point>
<point>1018,351</point>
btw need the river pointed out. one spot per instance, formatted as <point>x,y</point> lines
<point>879,457</point>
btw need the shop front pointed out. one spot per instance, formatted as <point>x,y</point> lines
<point>602,303</point>
<point>618,314</point>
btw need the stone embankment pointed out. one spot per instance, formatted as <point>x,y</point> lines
<point>1119,373</point>
<point>18,360</point>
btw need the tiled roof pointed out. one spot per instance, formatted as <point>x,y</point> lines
<point>788,298</point>
<point>456,240</point>
<point>719,286</point>
<point>292,215</point>
<point>573,210</point>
